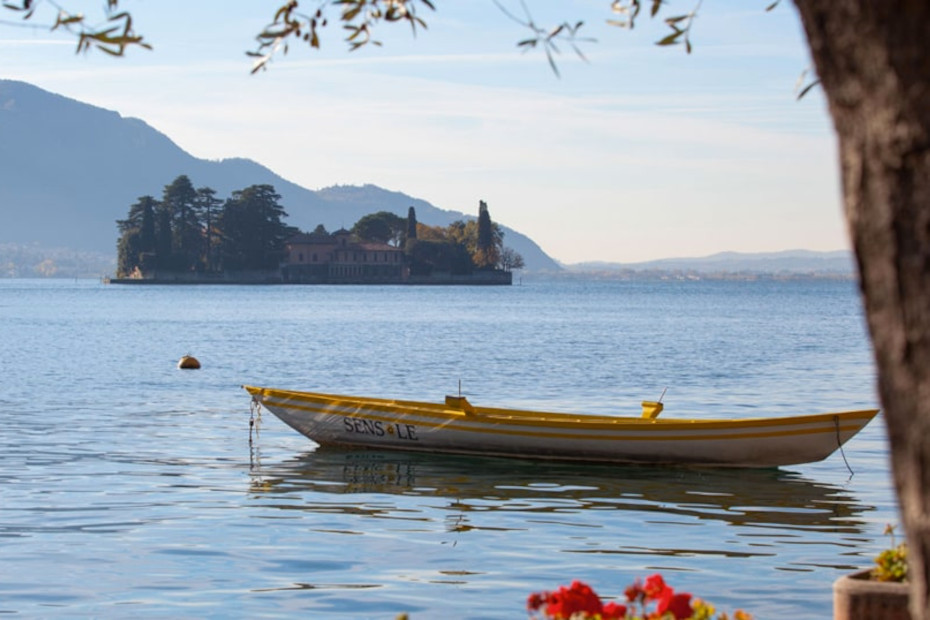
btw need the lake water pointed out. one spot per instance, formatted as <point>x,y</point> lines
<point>129,488</point>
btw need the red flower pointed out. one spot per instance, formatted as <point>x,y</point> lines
<point>613,611</point>
<point>634,592</point>
<point>579,597</point>
<point>679,605</point>
<point>536,600</point>
<point>580,601</point>
<point>655,587</point>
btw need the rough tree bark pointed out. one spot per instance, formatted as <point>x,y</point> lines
<point>873,59</point>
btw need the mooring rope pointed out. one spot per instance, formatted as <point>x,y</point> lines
<point>836,422</point>
<point>255,417</point>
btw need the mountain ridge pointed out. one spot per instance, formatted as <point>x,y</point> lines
<point>839,262</point>
<point>81,167</point>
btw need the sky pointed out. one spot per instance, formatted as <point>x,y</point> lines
<point>634,153</point>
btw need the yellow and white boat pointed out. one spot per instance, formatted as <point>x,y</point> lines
<point>456,426</point>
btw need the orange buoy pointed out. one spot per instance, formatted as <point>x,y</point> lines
<point>189,362</point>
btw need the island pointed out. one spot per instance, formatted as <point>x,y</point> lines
<point>192,237</point>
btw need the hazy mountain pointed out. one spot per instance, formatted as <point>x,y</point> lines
<point>840,262</point>
<point>69,170</point>
<point>29,260</point>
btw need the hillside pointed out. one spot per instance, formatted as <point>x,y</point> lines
<point>838,263</point>
<point>22,260</point>
<point>69,170</point>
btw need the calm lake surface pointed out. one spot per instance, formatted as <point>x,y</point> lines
<point>129,488</point>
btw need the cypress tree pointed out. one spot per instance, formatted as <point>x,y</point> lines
<point>485,239</point>
<point>410,236</point>
<point>486,252</point>
<point>411,223</point>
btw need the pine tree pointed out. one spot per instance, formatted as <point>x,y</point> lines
<point>163,239</point>
<point>137,237</point>
<point>207,206</point>
<point>253,234</point>
<point>147,227</point>
<point>127,254</point>
<point>382,227</point>
<point>179,199</point>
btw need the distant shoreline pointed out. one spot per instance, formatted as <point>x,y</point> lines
<point>529,276</point>
<point>30,260</point>
<point>735,276</point>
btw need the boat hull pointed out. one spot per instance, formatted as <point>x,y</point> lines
<point>458,427</point>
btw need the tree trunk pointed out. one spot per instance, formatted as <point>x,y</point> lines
<point>873,59</point>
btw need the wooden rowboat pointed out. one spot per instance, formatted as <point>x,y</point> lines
<point>457,426</point>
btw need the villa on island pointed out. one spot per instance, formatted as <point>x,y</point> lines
<point>340,258</point>
<point>337,258</point>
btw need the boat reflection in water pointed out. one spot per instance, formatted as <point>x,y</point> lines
<point>484,532</point>
<point>739,497</point>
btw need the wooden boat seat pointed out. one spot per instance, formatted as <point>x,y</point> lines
<point>652,409</point>
<point>460,403</point>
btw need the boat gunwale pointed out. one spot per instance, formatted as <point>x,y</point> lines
<point>858,418</point>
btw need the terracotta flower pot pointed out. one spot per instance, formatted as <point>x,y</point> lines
<point>858,597</point>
